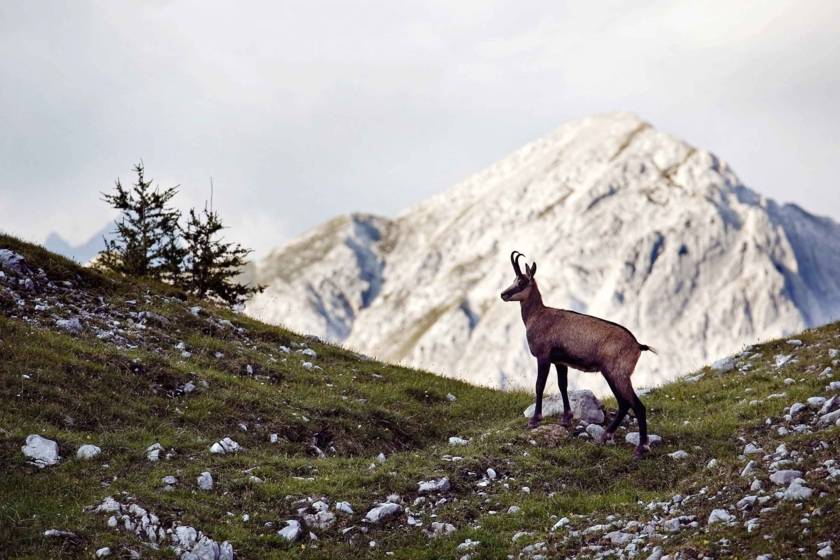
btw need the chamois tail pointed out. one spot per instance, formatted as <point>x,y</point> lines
<point>645,347</point>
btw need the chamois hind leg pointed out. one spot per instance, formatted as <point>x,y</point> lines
<point>563,383</point>
<point>542,376</point>
<point>623,407</point>
<point>625,388</point>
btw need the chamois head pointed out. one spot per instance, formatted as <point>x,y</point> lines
<point>523,283</point>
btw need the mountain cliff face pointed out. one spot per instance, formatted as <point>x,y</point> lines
<point>625,222</point>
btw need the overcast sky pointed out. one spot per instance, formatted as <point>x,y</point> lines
<point>303,110</point>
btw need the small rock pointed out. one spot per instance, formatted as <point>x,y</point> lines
<point>455,440</point>
<point>41,451</point>
<point>439,529</point>
<point>719,516</point>
<point>88,451</point>
<point>205,481</point>
<point>596,431</point>
<point>451,398</point>
<point>321,520</point>
<point>382,512</point>
<point>467,545</point>
<point>169,480</point>
<point>678,455</point>
<point>380,458</point>
<point>797,491</point>
<point>429,486</point>
<point>584,404</point>
<point>826,551</point>
<point>752,449</point>
<point>563,522</point>
<point>102,552</point>
<point>712,464</point>
<point>514,509</point>
<point>794,342</point>
<point>491,474</point>
<point>292,531</point>
<point>784,477</point>
<point>724,364</point>
<point>816,402</point>
<point>153,452</point>
<point>72,325</point>
<point>344,507</point>
<point>223,446</point>
<point>633,439</point>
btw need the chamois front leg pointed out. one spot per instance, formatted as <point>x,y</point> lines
<point>542,376</point>
<point>563,383</point>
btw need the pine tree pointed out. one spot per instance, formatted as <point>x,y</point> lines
<point>146,242</point>
<point>212,264</point>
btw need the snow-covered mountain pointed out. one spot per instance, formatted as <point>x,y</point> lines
<point>625,222</point>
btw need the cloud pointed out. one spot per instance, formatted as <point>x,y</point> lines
<point>301,111</point>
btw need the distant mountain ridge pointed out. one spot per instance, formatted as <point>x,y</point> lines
<point>626,223</point>
<point>83,252</point>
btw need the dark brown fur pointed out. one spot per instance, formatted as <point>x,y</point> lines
<point>583,342</point>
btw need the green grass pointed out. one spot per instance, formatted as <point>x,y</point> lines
<point>85,390</point>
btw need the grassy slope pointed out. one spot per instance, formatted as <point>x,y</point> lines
<point>85,390</point>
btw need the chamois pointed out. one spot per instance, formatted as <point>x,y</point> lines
<point>586,343</point>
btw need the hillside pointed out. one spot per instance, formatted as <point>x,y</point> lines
<point>626,222</point>
<point>94,360</point>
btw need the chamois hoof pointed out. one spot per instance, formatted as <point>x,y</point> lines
<point>534,422</point>
<point>641,451</point>
<point>566,420</point>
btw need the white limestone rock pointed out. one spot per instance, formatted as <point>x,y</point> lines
<point>88,451</point>
<point>433,486</point>
<point>382,512</point>
<point>42,452</point>
<point>205,481</point>
<point>223,446</point>
<point>584,404</point>
<point>292,531</point>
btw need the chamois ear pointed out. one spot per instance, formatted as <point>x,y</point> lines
<point>531,269</point>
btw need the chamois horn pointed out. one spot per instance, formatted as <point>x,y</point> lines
<point>514,260</point>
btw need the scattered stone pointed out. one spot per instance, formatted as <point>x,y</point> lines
<point>784,477</point>
<point>514,509</point>
<point>816,402</point>
<point>619,538</point>
<point>321,520</point>
<point>585,406</point>
<point>292,531</point>
<point>102,552</point>
<point>439,529</point>
<point>41,451</point>
<point>56,533</point>
<point>563,522</point>
<point>467,545</point>
<point>724,364</point>
<point>719,516</point>
<point>712,464</point>
<point>380,458</point>
<point>455,440</point>
<point>633,439</point>
<point>595,431</point>
<point>205,481</point>
<point>825,550</point>
<point>752,449</point>
<point>678,455</point>
<point>451,398</point>
<point>344,507</point>
<point>72,325</point>
<point>794,342</point>
<point>382,512</point>
<point>223,446</point>
<point>782,359</point>
<point>796,408</point>
<point>797,491</point>
<point>491,474</point>
<point>429,486</point>
<point>153,452</point>
<point>88,451</point>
